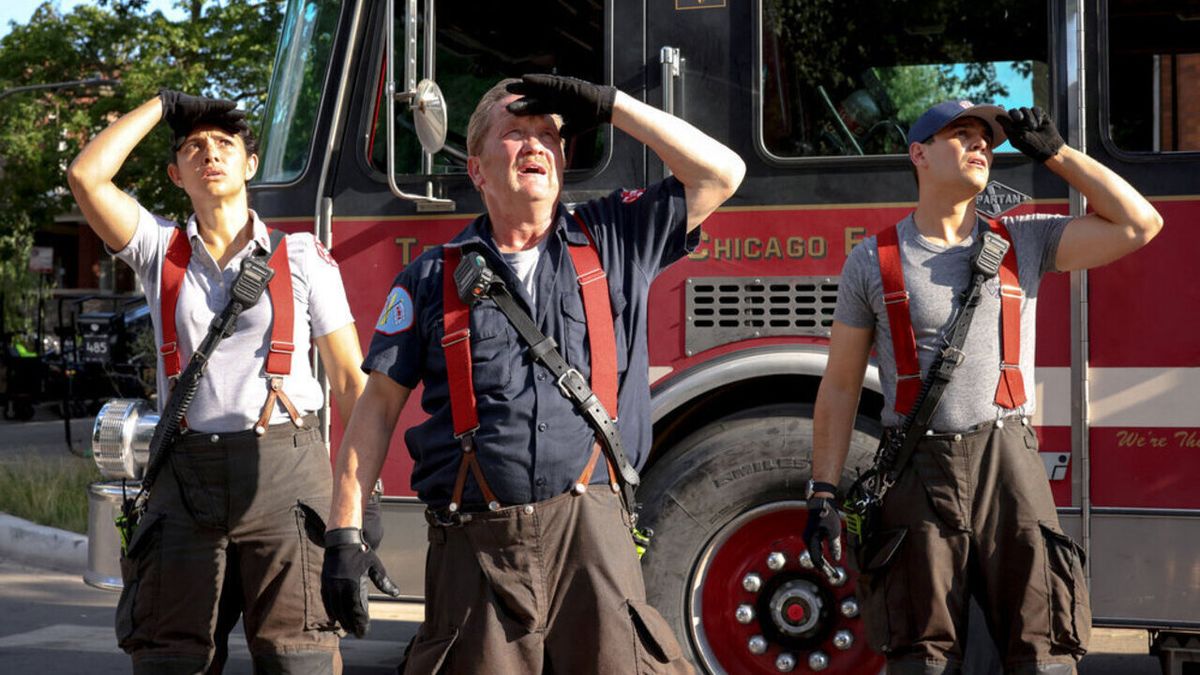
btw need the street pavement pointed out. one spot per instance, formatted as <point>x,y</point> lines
<point>51,623</point>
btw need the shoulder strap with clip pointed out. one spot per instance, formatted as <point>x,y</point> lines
<point>245,292</point>
<point>475,280</point>
<point>985,264</point>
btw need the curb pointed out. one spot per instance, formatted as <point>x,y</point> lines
<point>40,546</point>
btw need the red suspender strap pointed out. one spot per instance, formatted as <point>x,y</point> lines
<point>1010,391</point>
<point>597,309</point>
<point>179,253</point>
<point>904,341</point>
<point>456,342</point>
<point>279,355</point>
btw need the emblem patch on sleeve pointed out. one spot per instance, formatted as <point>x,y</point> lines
<point>631,196</point>
<point>325,255</point>
<point>397,315</point>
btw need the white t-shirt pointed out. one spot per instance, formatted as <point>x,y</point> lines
<point>524,264</point>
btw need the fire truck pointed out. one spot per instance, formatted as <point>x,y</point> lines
<point>364,145</point>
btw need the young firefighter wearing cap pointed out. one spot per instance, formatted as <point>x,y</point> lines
<point>235,520</point>
<point>971,511</point>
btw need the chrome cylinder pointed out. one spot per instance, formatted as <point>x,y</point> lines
<point>121,437</point>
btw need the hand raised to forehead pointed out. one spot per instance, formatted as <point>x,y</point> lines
<point>1031,131</point>
<point>183,111</point>
<point>583,105</point>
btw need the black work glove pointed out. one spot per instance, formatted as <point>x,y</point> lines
<point>1031,131</point>
<point>183,111</point>
<point>372,529</point>
<point>824,524</point>
<point>349,561</point>
<point>583,105</point>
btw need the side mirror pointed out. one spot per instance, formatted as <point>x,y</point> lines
<point>429,116</point>
<point>424,99</point>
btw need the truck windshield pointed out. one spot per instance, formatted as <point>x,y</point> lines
<point>850,78</point>
<point>301,62</point>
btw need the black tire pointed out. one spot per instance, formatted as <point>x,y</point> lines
<point>719,472</point>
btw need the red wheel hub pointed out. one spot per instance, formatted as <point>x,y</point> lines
<point>795,612</point>
<point>756,610</point>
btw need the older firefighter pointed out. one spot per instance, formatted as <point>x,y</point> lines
<point>971,509</point>
<point>527,461</point>
<point>236,523</point>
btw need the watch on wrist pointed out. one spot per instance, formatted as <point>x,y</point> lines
<point>820,486</point>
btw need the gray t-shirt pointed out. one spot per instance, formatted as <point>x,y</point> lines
<point>935,276</point>
<point>232,392</point>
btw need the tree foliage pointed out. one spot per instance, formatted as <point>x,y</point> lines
<point>220,48</point>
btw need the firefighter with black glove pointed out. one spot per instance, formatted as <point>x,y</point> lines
<point>242,501</point>
<point>965,508</point>
<point>349,562</point>
<point>513,541</point>
<point>1031,131</point>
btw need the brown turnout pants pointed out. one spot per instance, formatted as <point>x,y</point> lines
<point>551,587</point>
<point>973,514</point>
<point>235,523</point>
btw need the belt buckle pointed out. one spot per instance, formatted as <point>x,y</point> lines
<point>564,388</point>
<point>446,518</point>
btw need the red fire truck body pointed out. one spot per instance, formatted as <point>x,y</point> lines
<point>816,99</point>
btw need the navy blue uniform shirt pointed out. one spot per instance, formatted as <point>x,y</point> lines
<point>532,443</point>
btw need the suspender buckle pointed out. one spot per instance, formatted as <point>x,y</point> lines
<point>467,439</point>
<point>1004,365</point>
<point>456,337</point>
<point>572,385</point>
<point>591,276</point>
<point>913,376</point>
<point>895,297</point>
<point>1012,291</point>
<point>281,347</point>
<point>168,348</point>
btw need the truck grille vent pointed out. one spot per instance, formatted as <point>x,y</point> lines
<point>721,310</point>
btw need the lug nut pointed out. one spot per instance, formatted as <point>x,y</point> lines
<point>757,645</point>
<point>849,608</point>
<point>806,560</point>
<point>776,561</point>
<point>752,582</point>
<point>785,662</point>
<point>818,660</point>
<point>744,614</point>
<point>843,639</point>
<point>840,577</point>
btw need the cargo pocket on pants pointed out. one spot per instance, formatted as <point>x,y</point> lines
<point>427,655</point>
<point>885,621</point>
<point>139,579</point>
<point>1070,607</point>
<point>654,643</point>
<point>310,528</point>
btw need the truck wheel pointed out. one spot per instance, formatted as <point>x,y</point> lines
<point>727,566</point>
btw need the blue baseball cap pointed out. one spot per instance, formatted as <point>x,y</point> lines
<point>936,118</point>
